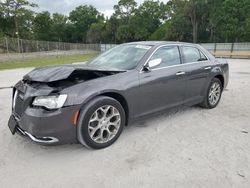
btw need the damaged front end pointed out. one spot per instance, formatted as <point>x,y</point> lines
<point>38,109</point>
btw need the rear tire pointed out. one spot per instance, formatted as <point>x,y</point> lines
<point>213,94</point>
<point>100,122</point>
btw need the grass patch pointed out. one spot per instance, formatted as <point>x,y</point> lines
<point>47,61</point>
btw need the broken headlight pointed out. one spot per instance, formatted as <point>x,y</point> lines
<point>50,102</point>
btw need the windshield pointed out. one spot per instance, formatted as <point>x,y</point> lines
<point>123,57</point>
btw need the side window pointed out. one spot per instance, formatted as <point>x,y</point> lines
<point>203,57</point>
<point>192,54</point>
<point>170,56</point>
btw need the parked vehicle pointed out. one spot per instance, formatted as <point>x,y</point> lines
<point>91,103</point>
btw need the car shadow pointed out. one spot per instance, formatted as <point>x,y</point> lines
<point>144,122</point>
<point>172,112</point>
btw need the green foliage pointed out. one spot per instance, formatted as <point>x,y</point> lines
<point>177,20</point>
<point>233,20</point>
<point>82,18</point>
<point>42,26</point>
<point>124,33</point>
<point>125,9</point>
<point>94,34</point>
<point>161,32</point>
<point>147,19</point>
<point>16,17</point>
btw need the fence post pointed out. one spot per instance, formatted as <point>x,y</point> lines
<point>37,46</point>
<point>215,44</point>
<point>232,49</point>
<point>18,45</point>
<point>7,45</point>
<point>48,45</point>
<point>21,47</point>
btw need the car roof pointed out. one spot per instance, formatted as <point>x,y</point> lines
<point>157,43</point>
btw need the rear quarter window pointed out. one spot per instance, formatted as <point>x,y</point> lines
<point>192,54</point>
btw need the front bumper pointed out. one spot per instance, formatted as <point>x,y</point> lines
<point>47,127</point>
<point>41,140</point>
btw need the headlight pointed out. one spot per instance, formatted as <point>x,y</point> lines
<point>50,102</point>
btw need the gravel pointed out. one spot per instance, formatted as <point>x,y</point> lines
<point>184,147</point>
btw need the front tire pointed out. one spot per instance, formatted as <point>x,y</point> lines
<point>100,122</point>
<point>213,94</point>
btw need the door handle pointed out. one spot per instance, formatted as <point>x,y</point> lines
<point>207,68</point>
<point>180,73</point>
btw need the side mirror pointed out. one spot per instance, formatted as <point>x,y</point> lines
<point>152,63</point>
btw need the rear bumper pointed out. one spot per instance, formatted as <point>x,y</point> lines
<point>48,127</point>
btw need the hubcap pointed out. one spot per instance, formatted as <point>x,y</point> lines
<point>104,124</point>
<point>214,93</point>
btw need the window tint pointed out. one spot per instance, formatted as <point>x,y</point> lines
<point>192,54</point>
<point>170,56</point>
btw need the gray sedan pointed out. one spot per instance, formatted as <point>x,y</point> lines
<point>91,103</point>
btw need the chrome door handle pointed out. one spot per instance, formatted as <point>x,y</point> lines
<point>207,68</point>
<point>180,73</point>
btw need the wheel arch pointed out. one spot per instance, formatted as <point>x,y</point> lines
<point>121,99</point>
<point>115,95</point>
<point>221,78</point>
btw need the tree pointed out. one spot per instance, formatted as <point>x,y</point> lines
<point>213,9</point>
<point>233,21</point>
<point>42,26</point>
<point>147,19</point>
<point>196,10</point>
<point>180,26</point>
<point>58,27</point>
<point>124,10</point>
<point>82,18</point>
<point>124,33</point>
<point>95,33</point>
<point>161,32</point>
<point>109,33</point>
<point>18,11</point>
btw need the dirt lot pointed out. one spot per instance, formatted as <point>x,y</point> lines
<point>188,147</point>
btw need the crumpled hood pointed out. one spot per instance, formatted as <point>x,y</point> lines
<point>58,72</point>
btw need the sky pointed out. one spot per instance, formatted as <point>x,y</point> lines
<point>65,6</point>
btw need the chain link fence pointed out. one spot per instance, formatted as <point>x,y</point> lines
<point>14,45</point>
<point>13,49</point>
<point>227,50</point>
<point>22,47</point>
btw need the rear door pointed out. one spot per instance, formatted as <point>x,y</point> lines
<point>197,69</point>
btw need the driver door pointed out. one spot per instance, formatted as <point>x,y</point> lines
<point>162,86</point>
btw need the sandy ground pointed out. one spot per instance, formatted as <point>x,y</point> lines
<point>188,147</point>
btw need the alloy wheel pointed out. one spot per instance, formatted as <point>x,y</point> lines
<point>104,124</point>
<point>214,93</point>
